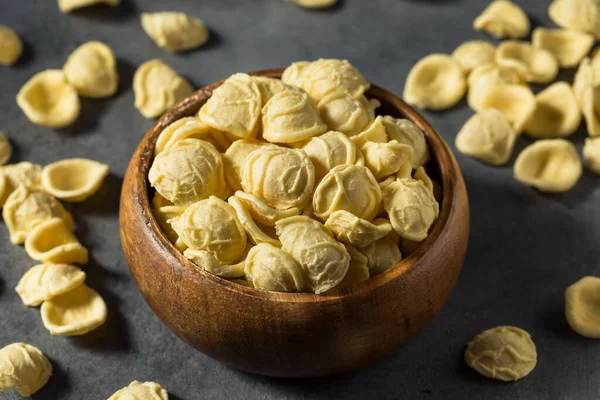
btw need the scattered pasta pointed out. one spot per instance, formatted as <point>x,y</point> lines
<point>516,102</point>
<point>503,19</point>
<point>23,368</point>
<point>5,150</point>
<point>141,391</point>
<point>485,78</point>
<point>582,302</point>
<point>537,65</point>
<point>175,31</point>
<point>556,113</point>
<point>11,46</point>
<point>23,173</point>
<point>473,54</point>
<point>70,5</point>
<point>569,47</point>
<point>73,179</point>
<point>53,242</point>
<point>46,281</point>
<point>92,70</point>
<point>591,154</point>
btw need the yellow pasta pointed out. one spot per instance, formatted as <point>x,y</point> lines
<point>329,150</point>
<point>92,70</point>
<point>578,15</point>
<point>516,102</point>
<point>270,268</point>
<point>295,74</point>
<point>73,179</point>
<point>190,128</point>
<point>70,5</point>
<point>537,65</point>
<point>473,54</point>
<point>376,132</point>
<point>23,368</point>
<point>234,158</point>
<point>255,233</point>
<point>53,242</point>
<point>162,215</point>
<point>582,302</point>
<point>11,46</point>
<point>314,3</point>
<point>208,262</point>
<point>358,270</point>
<point>591,154</point>
<point>382,254</point>
<point>263,212</point>
<point>48,99</point>
<point>569,47</point>
<point>269,87</point>
<point>385,159</point>
<point>325,76</point>
<point>175,31</point>
<point>349,229</point>
<point>23,173</point>
<point>587,93</point>
<point>5,150</point>
<point>556,113</point>
<point>484,78</point>
<point>46,281</point>
<point>345,114</point>
<point>141,391</point>
<point>406,132</point>
<point>503,19</point>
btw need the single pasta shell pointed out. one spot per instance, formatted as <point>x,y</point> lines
<point>578,15</point>
<point>516,102</point>
<point>23,173</point>
<point>70,5</point>
<point>487,76</point>
<point>503,19</point>
<point>262,212</point>
<point>537,65</point>
<point>53,242</point>
<point>270,268</point>
<point>582,302</point>
<point>436,82</point>
<point>175,31</point>
<point>74,313</point>
<point>591,154</point>
<point>314,3</point>
<point>206,261</point>
<point>256,234</point>
<point>473,54</point>
<point>73,179</point>
<point>586,87</point>
<point>349,229</point>
<point>295,73</point>
<point>23,368</point>
<point>141,391</point>
<point>92,70</point>
<point>550,165</point>
<point>46,281</point>
<point>11,47</point>
<point>569,47</point>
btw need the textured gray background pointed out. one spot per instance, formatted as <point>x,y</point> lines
<point>525,247</point>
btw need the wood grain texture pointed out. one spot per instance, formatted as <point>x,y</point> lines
<point>294,334</point>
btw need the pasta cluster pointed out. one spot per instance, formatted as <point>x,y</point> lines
<point>293,185</point>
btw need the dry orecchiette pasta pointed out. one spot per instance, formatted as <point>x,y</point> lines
<point>535,64</point>
<point>92,70</point>
<point>358,270</point>
<point>406,132</point>
<point>157,87</point>
<point>234,158</point>
<point>70,5</point>
<point>352,188</point>
<point>376,132</point>
<point>189,171</point>
<point>48,99</point>
<point>11,46</point>
<point>516,102</point>
<point>141,391</point>
<point>556,113</point>
<point>256,234</point>
<point>485,78</point>
<point>27,208</point>
<point>345,114</point>
<point>550,165</point>
<point>385,159</point>
<point>585,87</point>
<point>263,212</point>
<point>350,229</point>
<point>269,87</point>
<point>591,154</point>
<point>436,82</point>
<point>420,174</point>
<point>503,19</point>
<point>506,353</point>
<point>165,213</point>
<point>282,177</point>
<point>53,242</point>
<point>324,260</point>
<point>174,31</point>
<point>234,107</point>
<point>213,226</point>
<point>314,3</point>
<point>582,301</point>
<point>325,76</point>
<point>23,173</point>
<point>578,15</point>
<point>329,150</point>
<point>75,312</point>
<point>569,47</point>
<point>208,262</point>
<point>382,254</point>
<point>73,179</point>
<point>23,368</point>
<point>488,136</point>
<point>291,116</point>
<point>295,74</point>
<point>190,128</point>
<point>46,281</point>
<point>5,150</point>
<point>270,268</point>
<point>473,54</point>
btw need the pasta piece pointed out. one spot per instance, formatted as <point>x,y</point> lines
<point>74,313</point>
<point>53,242</point>
<point>586,87</point>
<point>537,65</point>
<point>550,165</point>
<point>488,136</point>
<point>190,171</point>
<point>23,173</point>
<point>345,114</point>
<point>324,260</point>
<point>421,175</point>
<point>485,78</point>
<point>291,116</point>
<point>314,3</point>
<point>376,132</point>
<point>262,212</point>
<point>282,177</point>
<point>46,281</point>
<point>92,70</point>
<point>516,102</point>
<point>256,234</point>
<point>190,128</point>
<point>556,113</point>
<point>212,225</point>
<point>473,54</point>
<point>358,270</point>
<point>165,213</point>
<point>406,132</point>
<point>270,268</point>
<point>591,154</point>
<point>382,254</point>
<point>436,82</point>
<point>27,208</point>
<point>23,368</point>
<point>70,5</point>
<point>352,188</point>
<point>506,353</point>
<point>11,46</point>
<point>5,149</point>
<point>175,31</point>
<point>234,158</point>
<point>141,391</point>
<point>73,179</point>
<point>569,47</point>
<point>234,107</point>
<point>208,262</point>
<point>595,64</point>
<point>269,87</point>
<point>411,207</point>
<point>295,74</point>
<point>325,76</point>
<point>349,229</point>
<point>384,159</point>
<point>329,150</point>
<point>582,302</point>
<point>578,15</point>
<point>157,87</point>
<point>48,99</point>
<point>503,19</point>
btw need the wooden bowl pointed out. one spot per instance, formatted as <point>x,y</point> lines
<point>294,334</point>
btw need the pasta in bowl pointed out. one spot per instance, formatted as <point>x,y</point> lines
<point>353,320</point>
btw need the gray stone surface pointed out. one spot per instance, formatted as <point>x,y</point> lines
<point>525,247</point>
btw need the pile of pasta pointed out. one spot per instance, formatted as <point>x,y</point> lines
<point>495,79</point>
<point>295,184</point>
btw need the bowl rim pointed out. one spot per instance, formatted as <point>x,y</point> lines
<point>440,153</point>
